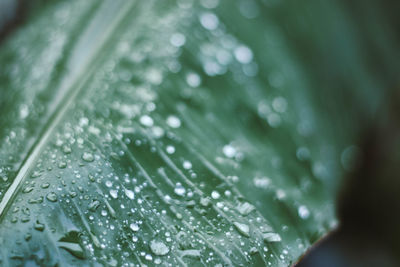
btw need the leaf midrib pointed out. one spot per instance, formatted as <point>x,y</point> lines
<point>81,65</point>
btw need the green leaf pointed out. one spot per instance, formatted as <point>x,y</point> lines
<point>163,132</point>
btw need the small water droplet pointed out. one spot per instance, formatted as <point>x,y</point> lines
<point>94,205</point>
<point>170,149</point>
<point>39,226</point>
<point>243,54</point>
<point>242,228</point>
<point>87,156</point>
<point>114,193</point>
<point>177,39</point>
<point>146,120</point>
<point>179,190</point>
<point>215,195</point>
<point>229,151</point>
<point>134,227</point>
<point>209,21</point>
<point>271,237</point>
<point>27,189</point>
<point>129,194</point>
<point>187,165</point>
<point>303,211</point>
<point>51,197</point>
<point>245,208</point>
<point>158,248</point>
<point>193,79</point>
<point>173,121</point>
<point>62,164</point>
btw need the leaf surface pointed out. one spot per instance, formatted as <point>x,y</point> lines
<point>155,132</point>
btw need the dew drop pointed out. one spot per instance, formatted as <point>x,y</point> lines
<point>51,197</point>
<point>187,165</point>
<point>303,211</point>
<point>243,54</point>
<point>39,226</point>
<point>177,39</point>
<point>209,21</point>
<point>146,120</point>
<point>173,121</point>
<point>245,208</point>
<point>159,248</point>
<point>271,237</point>
<point>129,194</point>
<point>229,151</point>
<point>134,227</point>
<point>179,190</point>
<point>242,228</point>
<point>170,149</point>
<point>215,195</point>
<point>87,156</point>
<point>193,79</point>
<point>114,193</point>
<point>94,205</point>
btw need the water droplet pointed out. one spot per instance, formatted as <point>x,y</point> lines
<point>27,189</point>
<point>274,120</point>
<point>303,153</point>
<point>209,21</point>
<point>193,79</point>
<point>173,121</point>
<point>94,205</point>
<point>23,112</point>
<point>87,156</point>
<point>229,151</point>
<point>303,211</point>
<point>179,190</point>
<point>134,227</point>
<point>187,165</point>
<point>114,193</point>
<point>62,164</point>
<point>51,197</point>
<point>66,149</point>
<point>129,194</point>
<point>45,185</point>
<point>39,226</point>
<point>146,120</point>
<point>205,201</point>
<point>271,237</point>
<point>243,54</point>
<point>170,149</point>
<point>177,39</point>
<point>262,182</point>
<point>242,228</point>
<point>158,248</point>
<point>279,104</point>
<point>245,208</point>
<point>215,195</point>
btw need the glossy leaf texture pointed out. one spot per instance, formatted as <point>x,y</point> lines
<point>164,132</point>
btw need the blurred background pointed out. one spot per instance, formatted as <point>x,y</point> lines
<point>369,203</point>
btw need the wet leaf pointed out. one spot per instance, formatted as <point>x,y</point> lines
<point>163,132</point>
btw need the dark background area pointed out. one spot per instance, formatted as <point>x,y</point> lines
<point>369,204</point>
